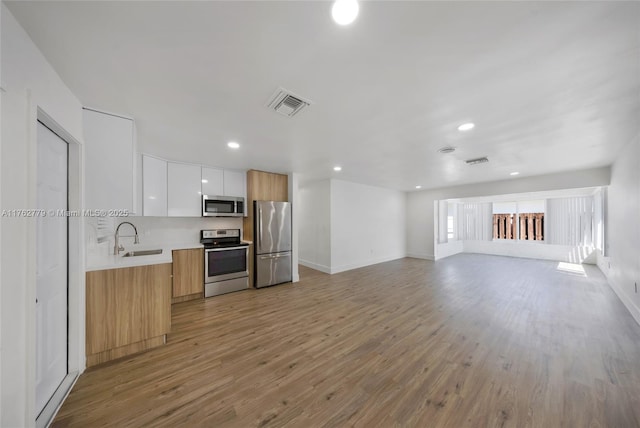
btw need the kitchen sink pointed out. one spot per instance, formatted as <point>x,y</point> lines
<point>142,253</point>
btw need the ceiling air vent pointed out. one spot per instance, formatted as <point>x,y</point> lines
<point>286,103</point>
<point>476,161</point>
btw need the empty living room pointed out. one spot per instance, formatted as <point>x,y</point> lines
<point>338,213</point>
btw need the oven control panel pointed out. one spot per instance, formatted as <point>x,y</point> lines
<point>220,233</point>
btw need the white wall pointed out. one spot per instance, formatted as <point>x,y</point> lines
<point>534,250</point>
<point>420,212</point>
<point>30,83</point>
<point>294,198</point>
<point>420,225</point>
<point>368,225</point>
<point>315,225</point>
<point>599,204</point>
<point>345,225</point>
<point>156,231</point>
<point>622,266</point>
<point>448,249</point>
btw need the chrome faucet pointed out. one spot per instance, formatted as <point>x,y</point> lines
<point>117,248</point>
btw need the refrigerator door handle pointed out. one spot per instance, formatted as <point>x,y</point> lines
<point>259,229</point>
<point>267,257</point>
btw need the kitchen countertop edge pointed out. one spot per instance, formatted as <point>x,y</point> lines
<point>101,262</point>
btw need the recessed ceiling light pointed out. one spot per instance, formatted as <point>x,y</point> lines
<point>514,173</point>
<point>204,180</point>
<point>152,197</point>
<point>418,187</point>
<point>233,145</point>
<point>344,12</point>
<point>337,168</point>
<point>447,149</point>
<point>466,126</point>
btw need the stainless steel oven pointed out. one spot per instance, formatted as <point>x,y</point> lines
<point>226,266</point>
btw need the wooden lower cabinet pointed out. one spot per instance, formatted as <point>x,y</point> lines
<point>188,275</point>
<point>128,310</point>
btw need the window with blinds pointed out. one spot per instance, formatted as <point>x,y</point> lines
<point>571,221</point>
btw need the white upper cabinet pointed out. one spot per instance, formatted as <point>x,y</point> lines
<point>109,161</point>
<point>234,183</point>
<point>154,186</point>
<point>184,190</point>
<point>175,189</point>
<point>213,181</point>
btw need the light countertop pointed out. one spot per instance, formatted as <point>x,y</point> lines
<point>101,262</point>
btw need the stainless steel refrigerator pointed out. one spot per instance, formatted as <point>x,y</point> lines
<point>272,241</point>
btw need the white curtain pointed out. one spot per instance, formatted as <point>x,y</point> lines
<point>475,221</point>
<point>570,221</point>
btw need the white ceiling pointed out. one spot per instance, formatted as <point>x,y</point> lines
<point>551,86</point>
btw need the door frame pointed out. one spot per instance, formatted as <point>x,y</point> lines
<point>76,360</point>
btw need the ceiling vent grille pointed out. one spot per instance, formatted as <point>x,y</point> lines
<point>286,103</point>
<point>477,161</point>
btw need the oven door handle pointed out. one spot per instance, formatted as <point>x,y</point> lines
<point>242,247</point>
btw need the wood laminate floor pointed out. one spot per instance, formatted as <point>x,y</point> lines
<point>468,341</point>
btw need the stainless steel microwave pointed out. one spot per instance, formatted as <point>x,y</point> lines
<point>222,206</point>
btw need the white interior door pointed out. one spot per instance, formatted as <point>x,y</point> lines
<point>51,266</point>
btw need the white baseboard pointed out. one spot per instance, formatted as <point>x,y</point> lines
<point>603,264</point>
<point>626,300</point>
<point>369,262</point>
<point>321,268</point>
<point>423,256</point>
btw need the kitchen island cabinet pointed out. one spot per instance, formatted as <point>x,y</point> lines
<point>128,310</point>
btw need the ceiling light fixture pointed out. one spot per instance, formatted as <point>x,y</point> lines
<point>233,145</point>
<point>418,187</point>
<point>447,149</point>
<point>466,127</point>
<point>204,180</point>
<point>337,168</point>
<point>344,12</point>
<point>514,173</point>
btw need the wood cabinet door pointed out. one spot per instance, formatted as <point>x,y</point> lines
<point>188,272</point>
<point>127,305</point>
